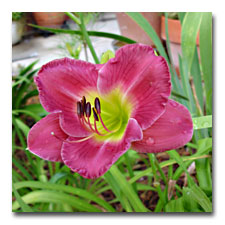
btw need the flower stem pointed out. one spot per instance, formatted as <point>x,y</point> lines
<point>88,40</point>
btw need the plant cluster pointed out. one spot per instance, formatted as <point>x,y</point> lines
<point>177,180</point>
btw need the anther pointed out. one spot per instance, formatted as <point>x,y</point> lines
<point>97,105</point>
<point>80,109</point>
<point>95,114</point>
<point>88,109</point>
<point>83,101</point>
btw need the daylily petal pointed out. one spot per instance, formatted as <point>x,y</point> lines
<point>142,76</point>
<point>42,143</point>
<point>61,84</point>
<point>93,158</point>
<point>172,130</point>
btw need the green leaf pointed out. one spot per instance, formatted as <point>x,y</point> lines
<point>128,190</point>
<point>200,197</point>
<point>189,204</point>
<point>206,57</point>
<point>27,112</point>
<point>190,28</point>
<point>90,33</point>
<point>174,78</point>
<point>23,126</point>
<point>21,203</point>
<point>175,206</point>
<point>73,17</point>
<point>202,122</point>
<point>117,191</point>
<point>37,109</point>
<point>56,197</point>
<point>173,154</point>
<point>203,166</point>
<point>58,187</point>
<point>197,78</point>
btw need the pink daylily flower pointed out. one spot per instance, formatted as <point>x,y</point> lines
<point>98,112</point>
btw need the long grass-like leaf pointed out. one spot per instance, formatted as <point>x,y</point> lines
<point>58,187</point>
<point>190,28</point>
<point>90,33</point>
<point>56,197</point>
<point>128,190</point>
<point>206,57</point>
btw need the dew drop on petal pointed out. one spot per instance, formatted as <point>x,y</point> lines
<point>175,120</point>
<point>174,104</point>
<point>150,83</point>
<point>150,141</point>
<point>184,132</point>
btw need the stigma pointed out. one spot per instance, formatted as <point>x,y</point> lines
<point>84,112</point>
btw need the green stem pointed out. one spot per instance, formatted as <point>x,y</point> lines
<point>88,40</point>
<point>156,178</point>
<point>129,167</point>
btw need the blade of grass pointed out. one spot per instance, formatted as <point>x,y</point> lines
<point>173,154</point>
<point>174,77</point>
<point>190,27</point>
<point>206,57</point>
<point>56,197</point>
<point>58,187</point>
<point>117,191</point>
<point>90,33</point>
<point>128,190</point>
<point>130,170</point>
<point>21,203</point>
<point>200,197</point>
<point>166,163</point>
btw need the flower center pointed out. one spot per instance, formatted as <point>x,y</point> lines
<point>84,114</point>
<point>109,115</point>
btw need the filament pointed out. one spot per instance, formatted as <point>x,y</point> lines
<point>77,141</point>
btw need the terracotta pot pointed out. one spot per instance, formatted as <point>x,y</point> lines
<point>49,19</point>
<point>132,30</point>
<point>174,30</point>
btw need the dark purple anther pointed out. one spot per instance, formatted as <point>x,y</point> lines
<point>83,101</point>
<point>95,114</point>
<point>79,109</point>
<point>97,105</point>
<point>88,109</point>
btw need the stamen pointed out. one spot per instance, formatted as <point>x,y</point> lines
<point>88,109</point>
<point>83,101</point>
<point>103,123</point>
<point>95,114</point>
<point>97,105</point>
<point>90,125</point>
<point>78,141</point>
<point>96,130</point>
<point>79,109</point>
<point>98,109</point>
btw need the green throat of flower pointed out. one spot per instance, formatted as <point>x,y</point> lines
<point>106,116</point>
